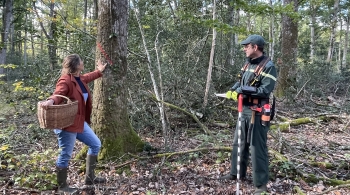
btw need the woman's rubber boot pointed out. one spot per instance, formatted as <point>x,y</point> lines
<point>62,182</point>
<point>90,177</point>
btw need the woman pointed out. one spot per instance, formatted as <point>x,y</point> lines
<point>74,86</point>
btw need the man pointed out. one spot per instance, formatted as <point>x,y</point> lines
<point>259,74</point>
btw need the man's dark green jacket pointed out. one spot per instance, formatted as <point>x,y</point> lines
<point>267,78</point>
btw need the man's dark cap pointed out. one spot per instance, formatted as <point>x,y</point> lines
<point>255,40</point>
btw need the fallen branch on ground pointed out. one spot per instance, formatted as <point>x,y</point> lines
<point>205,129</point>
<point>169,154</point>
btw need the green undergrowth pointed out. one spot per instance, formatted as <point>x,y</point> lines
<point>26,155</point>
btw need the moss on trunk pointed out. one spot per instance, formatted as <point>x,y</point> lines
<point>124,142</point>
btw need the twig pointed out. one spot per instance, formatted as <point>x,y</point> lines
<point>5,186</point>
<point>334,188</point>
<point>26,189</point>
<point>318,104</point>
<point>301,89</point>
<point>126,163</point>
<point>169,154</point>
<point>346,126</point>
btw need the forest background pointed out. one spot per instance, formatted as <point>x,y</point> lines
<point>179,54</point>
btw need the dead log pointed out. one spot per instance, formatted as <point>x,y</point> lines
<point>286,124</point>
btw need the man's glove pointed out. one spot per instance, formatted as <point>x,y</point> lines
<point>233,95</point>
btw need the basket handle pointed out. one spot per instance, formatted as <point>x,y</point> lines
<point>68,100</point>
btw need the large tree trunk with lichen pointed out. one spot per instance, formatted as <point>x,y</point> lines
<point>110,117</point>
<point>289,46</point>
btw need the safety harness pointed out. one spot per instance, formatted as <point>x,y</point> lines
<point>257,71</point>
<point>255,81</point>
<point>259,106</point>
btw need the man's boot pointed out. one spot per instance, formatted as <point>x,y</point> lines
<point>228,176</point>
<point>62,181</point>
<point>260,190</point>
<point>90,177</point>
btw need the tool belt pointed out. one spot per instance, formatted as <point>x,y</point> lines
<point>259,106</point>
<point>249,101</point>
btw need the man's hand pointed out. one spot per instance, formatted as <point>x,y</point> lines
<point>233,95</point>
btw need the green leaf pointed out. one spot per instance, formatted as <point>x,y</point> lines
<point>4,147</point>
<point>219,154</point>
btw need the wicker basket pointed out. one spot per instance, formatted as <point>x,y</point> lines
<point>57,116</point>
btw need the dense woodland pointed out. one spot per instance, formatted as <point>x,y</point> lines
<point>163,129</point>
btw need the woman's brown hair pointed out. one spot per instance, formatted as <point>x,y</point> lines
<point>70,64</point>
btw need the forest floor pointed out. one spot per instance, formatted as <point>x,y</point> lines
<point>318,150</point>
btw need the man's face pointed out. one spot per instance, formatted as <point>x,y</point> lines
<point>250,50</point>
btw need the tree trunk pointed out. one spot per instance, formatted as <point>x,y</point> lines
<point>25,45</point>
<point>110,116</point>
<point>312,31</point>
<point>13,37</point>
<point>271,35</point>
<point>230,61</point>
<point>155,86</point>
<point>333,25</point>
<point>52,47</point>
<point>7,15</point>
<point>232,20</point>
<point>289,46</point>
<point>165,124</point>
<point>346,41</point>
<point>32,45</point>
<point>95,13</point>
<point>339,61</point>
<point>52,36</point>
<point>175,3</point>
<point>237,22</point>
<point>211,60</point>
<point>249,25</point>
<point>85,13</point>
<point>41,42</point>
<point>172,10</point>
